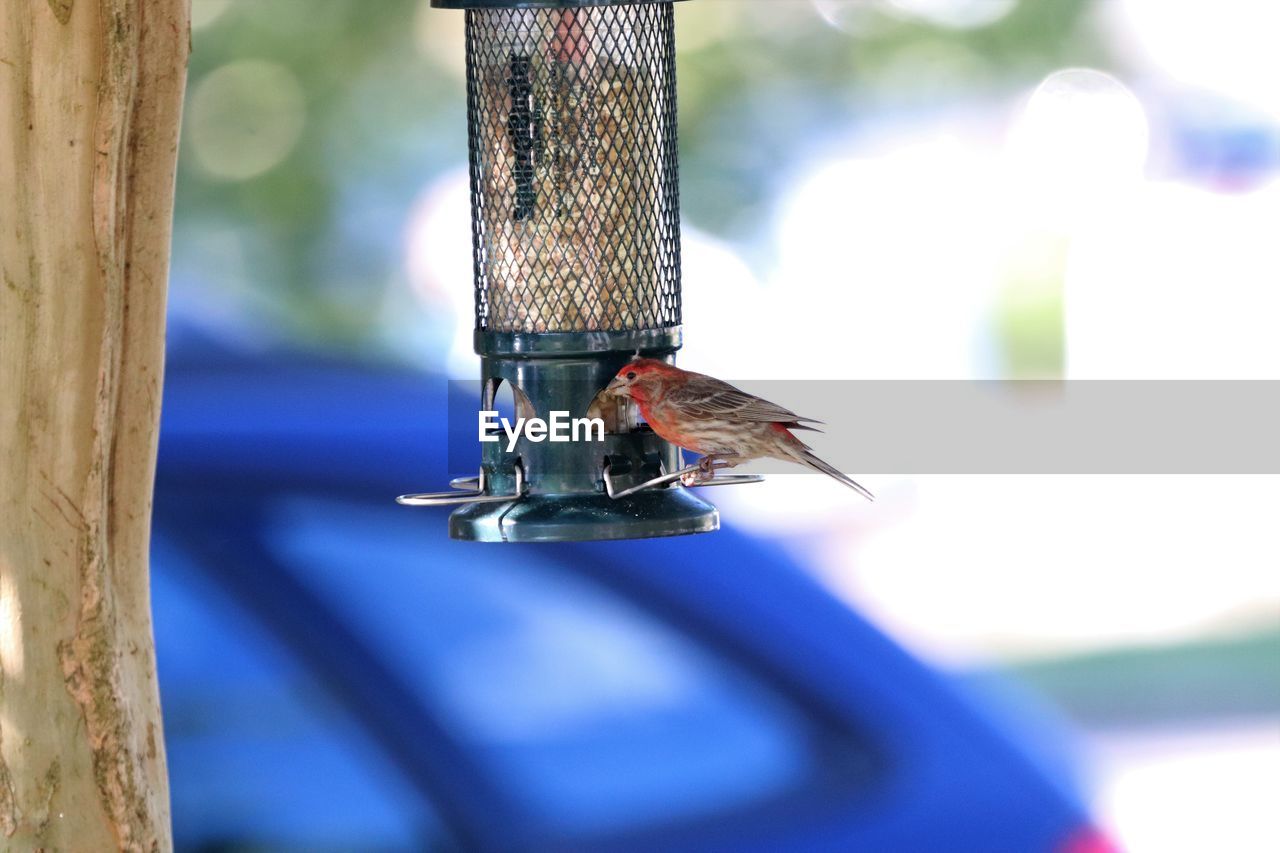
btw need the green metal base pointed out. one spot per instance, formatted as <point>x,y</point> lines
<point>579,518</point>
<point>565,499</point>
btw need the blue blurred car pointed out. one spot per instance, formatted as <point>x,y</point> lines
<point>338,675</point>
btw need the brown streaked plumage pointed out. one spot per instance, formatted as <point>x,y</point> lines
<point>723,423</point>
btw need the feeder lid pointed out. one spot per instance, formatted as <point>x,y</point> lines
<point>538,4</point>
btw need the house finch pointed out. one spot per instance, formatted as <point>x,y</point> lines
<point>724,424</point>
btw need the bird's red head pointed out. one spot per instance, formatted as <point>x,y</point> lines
<point>639,378</point>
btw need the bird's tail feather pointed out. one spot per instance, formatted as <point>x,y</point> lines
<point>808,457</point>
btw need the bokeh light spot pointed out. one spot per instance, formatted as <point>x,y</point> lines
<point>1082,138</point>
<point>244,118</point>
<point>855,17</point>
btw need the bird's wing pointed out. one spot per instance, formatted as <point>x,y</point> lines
<point>707,398</point>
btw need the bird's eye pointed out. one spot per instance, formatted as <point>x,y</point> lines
<point>631,376</point>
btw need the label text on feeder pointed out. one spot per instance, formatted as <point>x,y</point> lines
<point>560,428</point>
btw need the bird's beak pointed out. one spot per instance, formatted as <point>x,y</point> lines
<point>617,388</point>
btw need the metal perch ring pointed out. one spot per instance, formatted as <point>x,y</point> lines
<point>467,490</point>
<point>694,476</point>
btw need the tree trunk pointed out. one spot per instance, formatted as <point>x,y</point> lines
<point>90,103</point>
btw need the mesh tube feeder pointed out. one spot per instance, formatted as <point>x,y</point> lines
<point>576,226</point>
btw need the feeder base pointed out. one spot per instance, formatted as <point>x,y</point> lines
<point>579,518</point>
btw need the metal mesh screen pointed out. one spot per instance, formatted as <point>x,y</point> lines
<point>575,207</point>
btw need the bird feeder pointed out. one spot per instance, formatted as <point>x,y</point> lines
<point>576,226</point>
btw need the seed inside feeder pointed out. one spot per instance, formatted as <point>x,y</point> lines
<point>574,173</point>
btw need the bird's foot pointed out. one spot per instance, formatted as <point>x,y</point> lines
<point>707,467</point>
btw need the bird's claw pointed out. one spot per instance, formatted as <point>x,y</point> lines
<point>706,471</point>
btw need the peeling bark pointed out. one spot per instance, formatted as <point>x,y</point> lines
<point>90,104</point>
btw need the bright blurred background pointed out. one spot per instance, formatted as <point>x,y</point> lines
<point>873,189</point>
